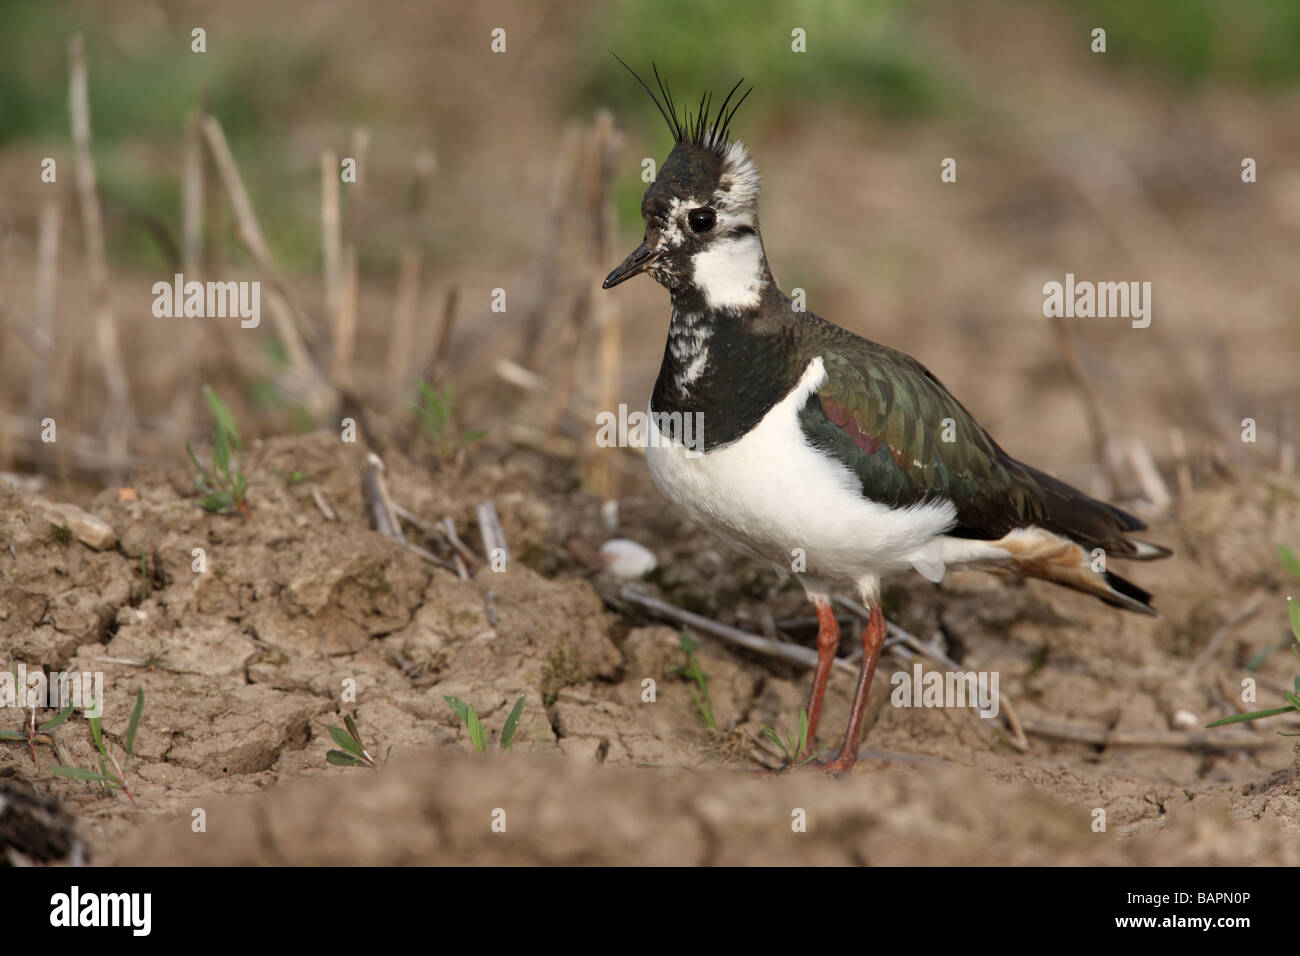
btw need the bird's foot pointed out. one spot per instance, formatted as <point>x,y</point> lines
<point>842,763</point>
<point>799,764</point>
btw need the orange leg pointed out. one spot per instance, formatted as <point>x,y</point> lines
<point>828,641</point>
<point>873,639</point>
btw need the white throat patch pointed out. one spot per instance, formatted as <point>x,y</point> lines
<point>730,273</point>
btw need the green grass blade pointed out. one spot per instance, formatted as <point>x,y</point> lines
<point>1293,609</point>
<point>225,420</point>
<point>220,452</point>
<point>97,732</point>
<point>57,719</point>
<point>134,724</point>
<point>1253,715</point>
<point>12,735</point>
<point>459,707</point>
<point>79,773</point>
<point>344,740</point>
<point>772,735</point>
<point>339,759</point>
<point>512,723</point>
<point>1260,658</point>
<point>701,708</point>
<point>351,725</point>
<point>1289,560</point>
<point>108,777</point>
<point>477,732</point>
<point>218,502</point>
<point>194,458</point>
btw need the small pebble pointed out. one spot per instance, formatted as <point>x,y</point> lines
<point>90,529</point>
<point>626,559</point>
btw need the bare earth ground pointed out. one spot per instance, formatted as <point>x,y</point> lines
<point>256,651</point>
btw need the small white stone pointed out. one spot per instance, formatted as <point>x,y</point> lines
<point>90,529</point>
<point>627,559</point>
<point>1185,720</point>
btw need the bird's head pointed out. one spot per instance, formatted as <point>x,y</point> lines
<point>701,212</point>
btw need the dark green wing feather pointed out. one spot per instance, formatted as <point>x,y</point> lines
<point>885,417</point>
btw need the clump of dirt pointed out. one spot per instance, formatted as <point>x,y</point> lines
<point>453,809</point>
<point>251,635</point>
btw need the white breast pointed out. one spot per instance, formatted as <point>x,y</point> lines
<point>771,492</point>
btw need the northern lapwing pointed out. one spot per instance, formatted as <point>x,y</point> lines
<point>821,451</point>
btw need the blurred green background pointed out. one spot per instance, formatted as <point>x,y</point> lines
<point>876,59</point>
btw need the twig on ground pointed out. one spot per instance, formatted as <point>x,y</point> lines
<point>453,538</point>
<point>321,504</point>
<point>383,513</point>
<point>794,653</point>
<point>1191,740</point>
<point>379,505</point>
<point>494,536</point>
<point>1153,485</point>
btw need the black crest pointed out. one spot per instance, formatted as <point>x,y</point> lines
<point>704,128</point>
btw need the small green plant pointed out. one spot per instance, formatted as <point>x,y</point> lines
<point>794,749</point>
<point>114,779</point>
<point>223,485</point>
<point>692,671</point>
<point>1289,560</point>
<point>32,733</point>
<point>354,753</point>
<point>477,732</point>
<point>291,478</point>
<point>1293,699</point>
<point>435,408</point>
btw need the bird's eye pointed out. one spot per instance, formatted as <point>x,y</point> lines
<point>702,219</point>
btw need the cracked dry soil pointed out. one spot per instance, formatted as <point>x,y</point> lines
<point>253,654</point>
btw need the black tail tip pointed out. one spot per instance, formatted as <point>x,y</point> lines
<point>1128,595</point>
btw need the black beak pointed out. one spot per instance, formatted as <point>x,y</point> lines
<point>634,264</point>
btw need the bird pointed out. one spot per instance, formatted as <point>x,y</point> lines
<point>824,453</point>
